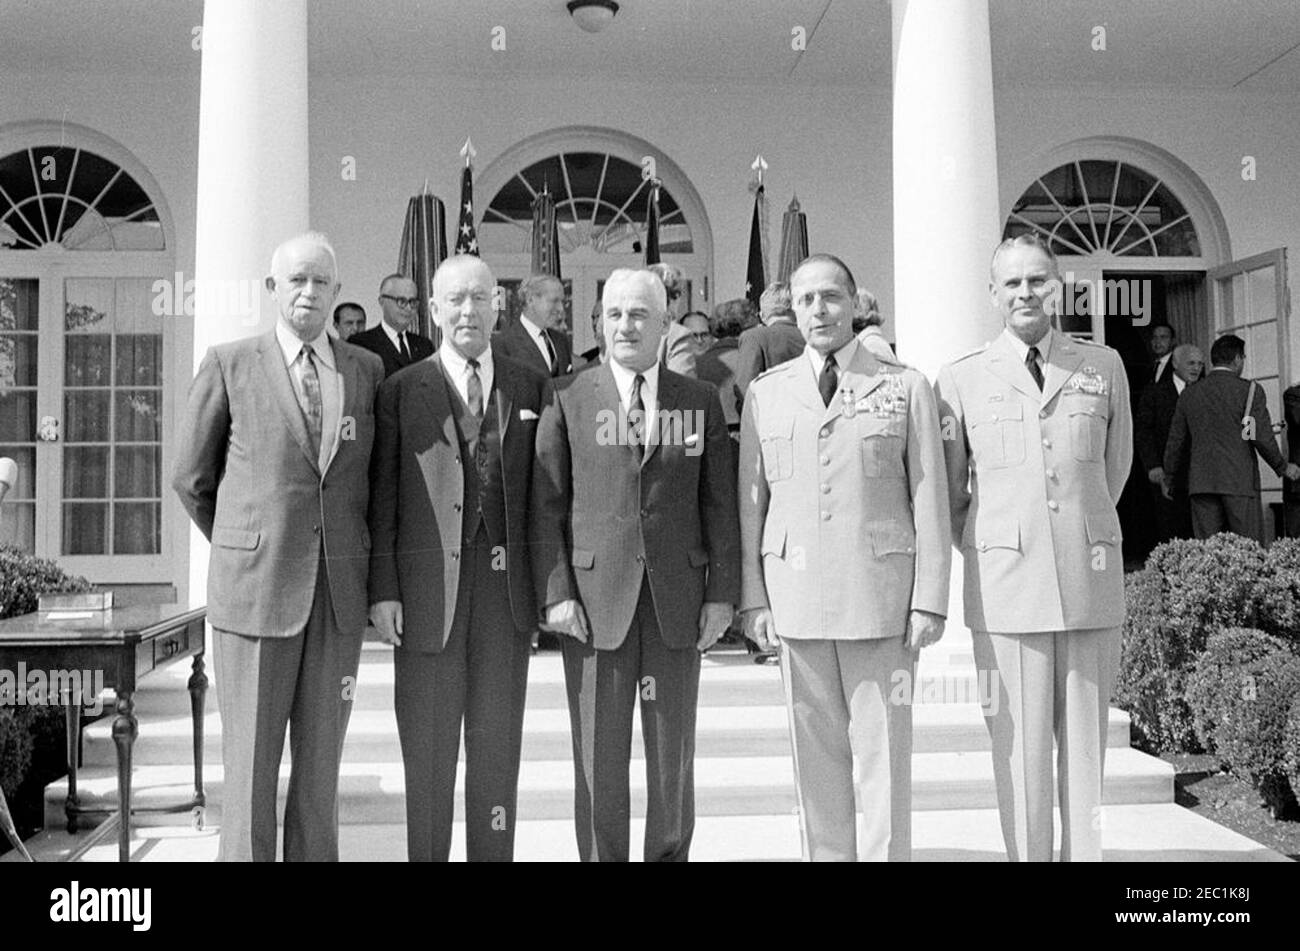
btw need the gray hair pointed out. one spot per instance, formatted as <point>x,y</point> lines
<point>619,275</point>
<point>1030,239</point>
<point>315,237</point>
<point>535,285</point>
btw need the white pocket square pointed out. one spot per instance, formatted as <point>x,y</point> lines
<point>526,414</point>
<point>691,440</point>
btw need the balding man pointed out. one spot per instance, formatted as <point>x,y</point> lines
<point>349,320</point>
<point>635,559</point>
<point>538,338</point>
<point>450,581</point>
<point>392,338</point>
<point>1155,413</point>
<point>273,467</point>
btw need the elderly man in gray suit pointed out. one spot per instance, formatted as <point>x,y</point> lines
<point>846,557</point>
<point>272,467</point>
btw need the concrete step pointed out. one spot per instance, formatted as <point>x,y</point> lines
<point>741,785</point>
<point>1131,833</point>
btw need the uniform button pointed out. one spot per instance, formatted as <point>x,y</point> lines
<point>455,556</point>
<point>1047,444</point>
<point>911,551</point>
<point>640,557</point>
<point>825,433</point>
<point>316,529</point>
<point>1042,414</point>
<point>995,417</point>
<point>456,506</point>
<point>645,513</point>
<point>826,489</point>
<point>984,546</point>
<point>1051,474</point>
<point>1053,505</point>
<point>826,460</point>
<point>826,516</point>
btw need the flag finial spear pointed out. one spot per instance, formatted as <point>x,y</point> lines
<point>467,151</point>
<point>759,165</point>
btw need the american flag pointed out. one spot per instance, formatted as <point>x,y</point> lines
<point>466,239</point>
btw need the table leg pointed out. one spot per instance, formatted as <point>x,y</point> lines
<point>125,730</point>
<point>72,719</point>
<point>198,685</point>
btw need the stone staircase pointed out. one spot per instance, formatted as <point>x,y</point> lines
<point>745,798</point>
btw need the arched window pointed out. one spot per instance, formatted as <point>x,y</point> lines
<point>70,198</point>
<point>1090,207</point>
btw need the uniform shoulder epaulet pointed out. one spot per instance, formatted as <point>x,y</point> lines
<point>971,353</point>
<point>772,371</point>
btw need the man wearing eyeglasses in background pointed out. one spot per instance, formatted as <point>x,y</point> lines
<point>397,345</point>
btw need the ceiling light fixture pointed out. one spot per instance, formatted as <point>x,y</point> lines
<point>593,15</point>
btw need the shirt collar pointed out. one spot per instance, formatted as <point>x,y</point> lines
<point>291,345</point>
<point>1179,383</point>
<point>392,334</point>
<point>1022,349</point>
<point>459,366</point>
<point>843,356</point>
<point>623,379</point>
<point>534,331</point>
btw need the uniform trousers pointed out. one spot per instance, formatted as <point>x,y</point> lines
<point>847,710</point>
<point>1045,685</point>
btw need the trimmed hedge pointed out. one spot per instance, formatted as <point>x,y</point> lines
<point>1241,693</point>
<point>1291,755</point>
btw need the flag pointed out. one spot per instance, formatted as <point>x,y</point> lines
<point>652,227</point>
<point>794,240</point>
<point>546,235</point>
<point>756,273</point>
<point>466,239</point>
<point>424,247</point>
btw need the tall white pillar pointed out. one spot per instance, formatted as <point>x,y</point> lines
<point>946,215</point>
<point>252,175</point>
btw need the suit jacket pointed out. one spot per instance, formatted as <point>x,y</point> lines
<point>376,341</point>
<point>843,508</point>
<point>601,521</point>
<point>764,347</point>
<point>1291,414</point>
<point>515,343</point>
<point>1033,479</point>
<point>247,476</point>
<point>1155,412</point>
<point>1205,437</point>
<point>677,350</point>
<point>418,487</point>
<point>717,365</point>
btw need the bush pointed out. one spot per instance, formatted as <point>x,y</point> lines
<point>1292,752</point>
<point>1241,693</point>
<point>1187,591</point>
<point>1278,592</point>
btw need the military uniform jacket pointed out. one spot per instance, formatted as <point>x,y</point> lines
<point>1033,480</point>
<point>843,508</point>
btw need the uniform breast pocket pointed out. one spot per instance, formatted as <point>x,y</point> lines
<point>777,442</point>
<point>882,445</point>
<point>1087,427</point>
<point>998,436</point>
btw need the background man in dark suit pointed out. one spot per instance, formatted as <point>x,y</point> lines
<point>635,547</point>
<point>1163,340</point>
<point>1213,439</point>
<point>677,350</point>
<point>1290,490</point>
<point>774,342</point>
<point>273,468</point>
<point>538,338</point>
<point>450,582</point>
<point>397,345</point>
<point>349,319</point>
<point>1150,433</point>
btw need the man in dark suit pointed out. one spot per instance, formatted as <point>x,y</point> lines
<point>635,546</point>
<point>1219,425</point>
<point>1155,412</point>
<point>397,345</point>
<point>1291,491</point>
<point>450,582</point>
<point>537,339</point>
<point>774,342</point>
<point>273,467</point>
<point>677,348</point>
<point>1163,341</point>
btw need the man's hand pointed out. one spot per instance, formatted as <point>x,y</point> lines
<point>761,628</point>
<point>715,618</point>
<point>1167,489</point>
<point>923,629</point>
<point>567,617</point>
<point>1156,476</point>
<point>1292,471</point>
<point>386,616</point>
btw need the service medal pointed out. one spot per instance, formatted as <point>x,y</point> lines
<point>848,404</point>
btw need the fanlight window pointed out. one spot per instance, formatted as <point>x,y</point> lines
<point>68,198</point>
<point>600,201</point>
<point>1104,207</point>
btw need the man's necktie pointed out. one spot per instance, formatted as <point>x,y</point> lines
<point>636,419</point>
<point>402,348</point>
<point>474,390</point>
<point>1031,364</point>
<point>308,391</point>
<point>829,381</point>
<point>550,353</point>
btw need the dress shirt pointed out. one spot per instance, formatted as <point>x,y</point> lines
<point>397,340</point>
<point>623,379</point>
<point>1160,366</point>
<point>843,356</point>
<point>539,341</point>
<point>331,386</point>
<point>1022,349</point>
<point>458,369</point>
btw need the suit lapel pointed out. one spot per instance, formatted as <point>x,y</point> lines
<point>606,397</point>
<point>1064,360</point>
<point>440,399</point>
<point>504,401</point>
<point>667,400</point>
<point>1002,361</point>
<point>277,378</point>
<point>349,377</point>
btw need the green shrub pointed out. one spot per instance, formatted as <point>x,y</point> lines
<point>1241,693</point>
<point>1187,591</point>
<point>1278,592</point>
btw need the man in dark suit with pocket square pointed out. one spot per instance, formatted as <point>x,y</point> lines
<point>635,548</point>
<point>537,339</point>
<point>450,583</point>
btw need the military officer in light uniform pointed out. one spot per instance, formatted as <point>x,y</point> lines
<point>1038,440</point>
<point>845,562</point>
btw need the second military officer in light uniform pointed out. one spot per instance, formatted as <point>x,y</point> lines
<point>1039,440</point>
<point>845,559</point>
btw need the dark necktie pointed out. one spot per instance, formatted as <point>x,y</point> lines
<point>636,419</point>
<point>550,353</point>
<point>829,381</point>
<point>308,392</point>
<point>474,390</point>
<point>402,348</point>
<point>1031,364</point>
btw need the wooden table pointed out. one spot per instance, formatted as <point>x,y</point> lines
<point>124,644</point>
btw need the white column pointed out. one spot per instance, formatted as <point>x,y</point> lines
<point>252,175</point>
<point>946,214</point>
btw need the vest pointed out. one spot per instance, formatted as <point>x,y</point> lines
<point>484,502</point>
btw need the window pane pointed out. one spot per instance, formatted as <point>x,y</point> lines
<point>89,303</point>
<point>24,485</point>
<point>87,359</point>
<point>1263,293</point>
<point>139,360</point>
<point>138,416</point>
<point>18,527</point>
<point>85,416</point>
<point>17,360</point>
<point>136,529</point>
<point>137,472</point>
<point>85,472</point>
<point>85,528</point>
<point>19,304</point>
<point>18,416</point>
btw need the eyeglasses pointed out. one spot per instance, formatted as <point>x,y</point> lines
<point>406,303</point>
<point>674,294</point>
<point>702,336</point>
